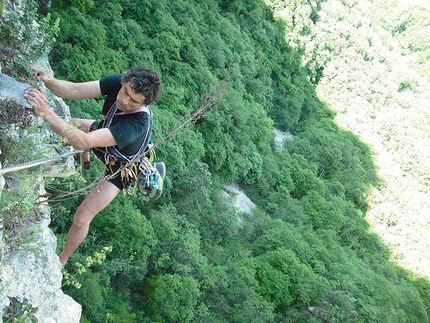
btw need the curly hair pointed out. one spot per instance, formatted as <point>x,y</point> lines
<point>144,81</point>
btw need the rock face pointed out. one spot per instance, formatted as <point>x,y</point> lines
<point>30,271</point>
<point>9,88</point>
<point>14,108</point>
<point>31,277</point>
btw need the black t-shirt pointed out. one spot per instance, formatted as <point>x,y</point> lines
<point>129,130</point>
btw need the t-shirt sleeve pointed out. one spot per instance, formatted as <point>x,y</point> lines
<point>130,133</point>
<point>110,83</point>
<point>110,86</point>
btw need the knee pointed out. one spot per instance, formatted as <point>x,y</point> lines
<point>81,221</point>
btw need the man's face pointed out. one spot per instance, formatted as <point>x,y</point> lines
<point>128,100</point>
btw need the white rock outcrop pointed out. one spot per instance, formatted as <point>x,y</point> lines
<point>31,277</point>
<point>30,270</point>
<point>238,198</point>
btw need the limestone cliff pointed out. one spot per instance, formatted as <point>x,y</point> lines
<point>30,271</point>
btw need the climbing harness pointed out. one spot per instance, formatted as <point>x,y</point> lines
<point>139,167</point>
<point>107,120</point>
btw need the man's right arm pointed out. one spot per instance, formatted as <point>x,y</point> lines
<point>66,89</point>
<point>76,137</point>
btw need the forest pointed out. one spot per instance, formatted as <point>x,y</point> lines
<point>305,253</point>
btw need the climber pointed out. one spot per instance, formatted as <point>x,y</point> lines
<point>130,94</point>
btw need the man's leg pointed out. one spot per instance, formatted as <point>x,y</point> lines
<point>98,199</point>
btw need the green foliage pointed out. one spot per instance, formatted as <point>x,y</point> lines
<point>172,297</point>
<point>14,145</point>
<point>338,155</point>
<point>285,281</point>
<point>354,227</point>
<point>19,312</point>
<point>409,30</point>
<point>193,187</point>
<point>233,297</point>
<point>304,176</point>
<point>19,198</point>
<point>305,254</point>
<point>124,227</point>
<point>323,213</point>
<point>423,287</point>
<point>220,224</point>
<point>81,48</point>
<point>282,235</point>
<point>19,32</point>
<point>253,309</point>
<point>90,295</point>
<point>121,315</point>
<point>16,208</point>
<point>83,6</point>
<point>177,248</point>
<point>414,301</point>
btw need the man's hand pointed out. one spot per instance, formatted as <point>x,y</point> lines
<point>38,100</point>
<point>40,72</point>
<point>67,89</point>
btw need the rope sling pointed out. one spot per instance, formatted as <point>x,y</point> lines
<point>115,153</point>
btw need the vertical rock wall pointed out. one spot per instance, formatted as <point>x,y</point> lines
<point>31,276</point>
<point>30,270</point>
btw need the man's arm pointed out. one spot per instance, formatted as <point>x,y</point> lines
<point>76,137</point>
<point>66,89</point>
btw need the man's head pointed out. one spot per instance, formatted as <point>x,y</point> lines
<point>143,81</point>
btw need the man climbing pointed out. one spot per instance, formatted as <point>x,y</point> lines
<point>127,100</point>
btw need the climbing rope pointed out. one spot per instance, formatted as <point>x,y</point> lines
<point>38,162</point>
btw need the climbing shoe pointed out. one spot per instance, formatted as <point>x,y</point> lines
<point>161,168</point>
<point>153,186</point>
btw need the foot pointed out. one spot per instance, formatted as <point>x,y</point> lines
<point>152,192</point>
<point>161,168</point>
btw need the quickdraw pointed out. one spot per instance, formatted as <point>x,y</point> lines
<point>148,174</point>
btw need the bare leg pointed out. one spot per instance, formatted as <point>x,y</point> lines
<point>98,199</point>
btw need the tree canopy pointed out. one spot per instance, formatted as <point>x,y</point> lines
<point>306,253</point>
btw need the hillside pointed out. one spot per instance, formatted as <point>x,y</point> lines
<point>370,81</point>
<point>333,77</point>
